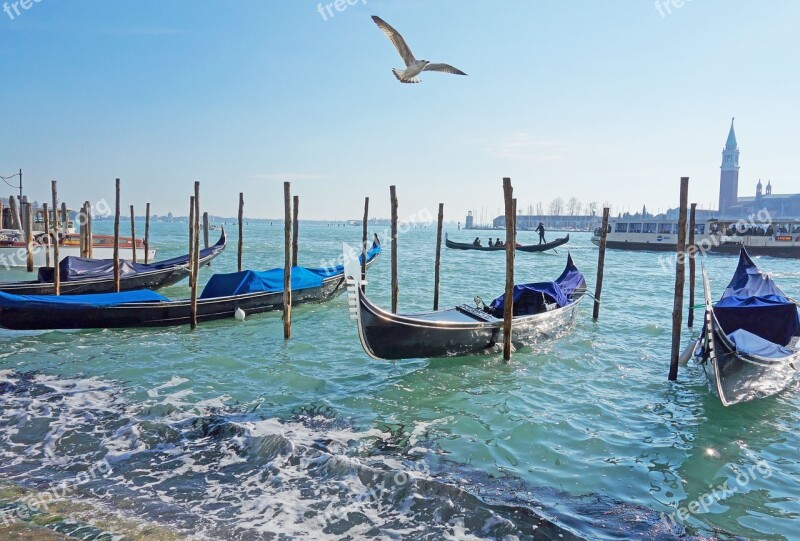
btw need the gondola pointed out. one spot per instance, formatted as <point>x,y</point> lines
<point>749,345</point>
<point>253,292</point>
<point>541,310</point>
<point>520,248</point>
<point>87,276</point>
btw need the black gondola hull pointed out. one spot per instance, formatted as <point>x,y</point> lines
<point>155,279</point>
<point>527,248</point>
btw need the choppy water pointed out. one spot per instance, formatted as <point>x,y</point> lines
<point>230,432</point>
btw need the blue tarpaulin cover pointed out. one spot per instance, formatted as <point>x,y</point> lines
<point>81,268</point>
<point>239,283</point>
<point>527,294</point>
<point>754,302</point>
<point>747,342</point>
<point>73,302</point>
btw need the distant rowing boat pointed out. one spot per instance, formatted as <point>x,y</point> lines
<point>520,248</point>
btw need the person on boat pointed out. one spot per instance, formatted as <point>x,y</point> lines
<point>499,242</point>
<point>490,242</point>
<point>540,230</point>
<point>477,241</point>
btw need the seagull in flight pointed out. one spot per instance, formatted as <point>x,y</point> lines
<point>413,66</point>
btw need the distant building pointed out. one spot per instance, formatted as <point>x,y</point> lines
<point>732,206</point>
<point>529,222</point>
<point>469,222</point>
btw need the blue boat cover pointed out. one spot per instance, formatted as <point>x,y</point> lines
<point>74,302</point>
<point>754,302</point>
<point>326,272</point>
<point>239,283</point>
<point>747,342</point>
<point>271,281</point>
<point>81,268</point>
<point>527,295</point>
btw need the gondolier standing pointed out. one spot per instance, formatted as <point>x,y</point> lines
<point>540,230</point>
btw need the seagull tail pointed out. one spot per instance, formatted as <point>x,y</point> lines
<point>401,74</point>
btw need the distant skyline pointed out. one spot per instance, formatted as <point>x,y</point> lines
<point>602,101</point>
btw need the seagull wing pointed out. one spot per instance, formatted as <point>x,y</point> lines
<point>396,39</point>
<point>445,68</point>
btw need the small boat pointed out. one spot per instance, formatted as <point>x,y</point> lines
<point>251,291</point>
<point>520,248</point>
<point>82,276</point>
<point>749,345</point>
<point>541,310</point>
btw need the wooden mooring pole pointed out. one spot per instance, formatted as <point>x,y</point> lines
<point>147,234</point>
<point>89,237</point>
<point>680,276</point>
<point>241,230</point>
<point>133,235</point>
<point>56,270</point>
<point>116,240</point>
<point>601,261</point>
<point>295,228</point>
<point>82,230</point>
<point>195,255</point>
<point>191,240</point>
<point>287,263</point>
<point>437,264</point>
<point>395,287</point>
<point>364,243</point>
<point>46,236</point>
<point>508,311</point>
<point>16,221</point>
<point>691,251</point>
<point>28,221</point>
<point>205,230</point>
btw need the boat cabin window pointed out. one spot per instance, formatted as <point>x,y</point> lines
<point>699,229</point>
<point>649,228</point>
<point>665,229</point>
<point>635,228</point>
<point>622,227</point>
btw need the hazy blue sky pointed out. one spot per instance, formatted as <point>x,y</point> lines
<point>603,100</point>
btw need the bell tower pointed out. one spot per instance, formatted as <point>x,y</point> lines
<point>729,173</point>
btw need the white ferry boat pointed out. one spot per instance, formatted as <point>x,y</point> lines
<point>779,238</point>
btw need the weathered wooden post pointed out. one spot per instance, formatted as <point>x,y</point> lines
<point>65,216</point>
<point>508,311</point>
<point>691,250</point>
<point>295,228</point>
<point>28,222</point>
<point>89,234</point>
<point>16,221</point>
<point>680,276</point>
<point>287,265</point>
<point>395,287</point>
<point>133,235</point>
<point>601,261</point>
<point>46,236</point>
<point>116,240</point>
<point>191,240</point>
<point>147,234</point>
<point>82,230</point>
<point>56,270</point>
<point>205,229</point>
<point>195,262</point>
<point>364,244</point>
<point>241,229</point>
<point>2,216</point>
<point>437,265</point>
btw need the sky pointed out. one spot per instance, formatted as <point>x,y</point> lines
<point>606,101</point>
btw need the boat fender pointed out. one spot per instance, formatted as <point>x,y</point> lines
<point>239,314</point>
<point>687,353</point>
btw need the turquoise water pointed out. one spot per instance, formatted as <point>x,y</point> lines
<point>230,432</point>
